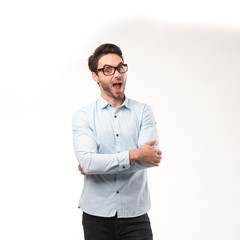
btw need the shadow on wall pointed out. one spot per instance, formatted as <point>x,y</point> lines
<point>182,70</point>
<point>189,75</point>
<point>173,56</point>
<point>186,72</point>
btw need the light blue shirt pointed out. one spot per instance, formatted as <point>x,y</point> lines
<point>103,137</point>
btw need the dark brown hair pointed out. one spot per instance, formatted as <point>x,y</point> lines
<point>102,50</point>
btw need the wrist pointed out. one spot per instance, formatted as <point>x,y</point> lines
<point>133,155</point>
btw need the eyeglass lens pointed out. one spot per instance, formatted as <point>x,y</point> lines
<point>111,70</point>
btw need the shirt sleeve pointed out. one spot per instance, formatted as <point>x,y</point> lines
<point>147,133</point>
<point>85,147</point>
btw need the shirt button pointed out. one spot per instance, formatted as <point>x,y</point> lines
<point>117,192</point>
<point>115,116</point>
<point>123,166</point>
<point>117,135</point>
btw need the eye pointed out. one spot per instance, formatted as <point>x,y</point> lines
<point>108,70</point>
<point>121,68</point>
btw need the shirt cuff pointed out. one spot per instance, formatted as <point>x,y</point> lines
<point>123,161</point>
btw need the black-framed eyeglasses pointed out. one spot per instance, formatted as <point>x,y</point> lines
<point>109,70</point>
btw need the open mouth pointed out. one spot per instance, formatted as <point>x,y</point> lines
<point>117,86</point>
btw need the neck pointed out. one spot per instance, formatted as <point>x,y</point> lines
<point>116,102</point>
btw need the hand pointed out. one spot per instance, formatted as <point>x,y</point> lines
<point>147,154</point>
<point>81,170</point>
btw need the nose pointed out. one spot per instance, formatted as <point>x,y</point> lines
<point>116,74</point>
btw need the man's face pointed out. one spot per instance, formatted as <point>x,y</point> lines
<point>111,86</point>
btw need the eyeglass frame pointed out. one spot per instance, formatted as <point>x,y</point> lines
<point>115,68</point>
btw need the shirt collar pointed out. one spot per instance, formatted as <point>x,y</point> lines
<point>103,103</point>
<point>126,103</point>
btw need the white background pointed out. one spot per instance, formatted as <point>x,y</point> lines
<point>183,58</point>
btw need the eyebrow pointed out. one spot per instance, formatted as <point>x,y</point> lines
<point>106,65</point>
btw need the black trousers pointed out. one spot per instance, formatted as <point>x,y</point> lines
<point>113,228</point>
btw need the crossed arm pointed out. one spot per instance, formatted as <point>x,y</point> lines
<point>91,162</point>
<point>146,154</point>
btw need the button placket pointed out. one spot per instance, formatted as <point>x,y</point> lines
<point>117,132</point>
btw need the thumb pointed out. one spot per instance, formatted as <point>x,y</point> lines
<point>151,143</point>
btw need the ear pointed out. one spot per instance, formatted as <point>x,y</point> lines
<point>95,77</point>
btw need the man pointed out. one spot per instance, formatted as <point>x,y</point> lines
<point>115,141</point>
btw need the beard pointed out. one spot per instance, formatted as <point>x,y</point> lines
<point>108,89</point>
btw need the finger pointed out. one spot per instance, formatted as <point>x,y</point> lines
<point>155,164</point>
<point>151,143</point>
<point>158,155</point>
<point>80,168</point>
<point>159,152</point>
